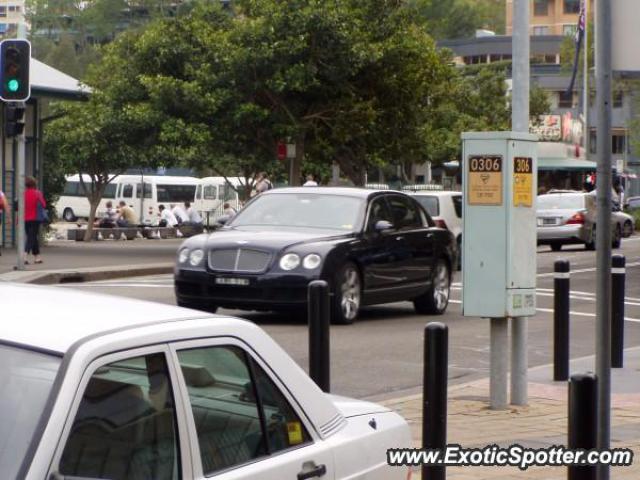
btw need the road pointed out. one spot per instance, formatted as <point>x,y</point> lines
<point>380,356</point>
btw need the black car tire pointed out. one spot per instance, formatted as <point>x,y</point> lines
<point>205,307</point>
<point>591,244</point>
<point>435,300</point>
<point>68,215</point>
<point>459,241</point>
<point>556,247</point>
<point>617,237</point>
<point>628,229</point>
<point>347,295</point>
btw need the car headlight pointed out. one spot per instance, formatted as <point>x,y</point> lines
<point>311,261</point>
<point>289,261</point>
<point>183,256</point>
<point>195,257</point>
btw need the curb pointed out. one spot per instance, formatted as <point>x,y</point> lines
<point>89,274</point>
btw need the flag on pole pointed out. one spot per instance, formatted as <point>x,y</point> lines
<point>579,37</point>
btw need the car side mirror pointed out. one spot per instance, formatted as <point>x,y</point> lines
<point>382,226</point>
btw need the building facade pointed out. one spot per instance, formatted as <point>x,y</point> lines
<point>11,14</point>
<point>565,123</point>
<point>549,17</point>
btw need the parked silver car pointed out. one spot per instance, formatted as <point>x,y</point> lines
<point>569,217</point>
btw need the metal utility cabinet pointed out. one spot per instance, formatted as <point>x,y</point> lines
<point>499,240</point>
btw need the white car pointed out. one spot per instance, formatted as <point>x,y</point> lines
<point>445,208</point>
<point>98,387</point>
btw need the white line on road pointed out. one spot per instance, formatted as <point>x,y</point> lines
<point>579,314</point>
<point>584,270</point>
<point>115,285</point>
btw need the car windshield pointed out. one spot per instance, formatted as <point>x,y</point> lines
<point>563,202</point>
<point>26,378</point>
<point>302,210</point>
<point>430,204</point>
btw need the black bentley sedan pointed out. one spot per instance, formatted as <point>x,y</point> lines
<point>371,247</point>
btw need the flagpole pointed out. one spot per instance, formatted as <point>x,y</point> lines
<point>585,82</point>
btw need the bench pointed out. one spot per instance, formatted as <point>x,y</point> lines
<point>130,233</point>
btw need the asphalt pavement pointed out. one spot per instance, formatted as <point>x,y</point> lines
<point>380,356</point>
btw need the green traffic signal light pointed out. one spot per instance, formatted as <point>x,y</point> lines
<point>15,57</point>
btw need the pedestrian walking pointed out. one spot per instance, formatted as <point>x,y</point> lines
<point>34,215</point>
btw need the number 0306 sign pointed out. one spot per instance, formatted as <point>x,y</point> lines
<point>484,180</point>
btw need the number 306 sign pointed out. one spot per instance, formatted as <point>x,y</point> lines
<point>484,180</point>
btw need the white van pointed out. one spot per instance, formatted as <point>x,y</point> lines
<point>158,189</point>
<point>212,193</point>
<point>73,202</point>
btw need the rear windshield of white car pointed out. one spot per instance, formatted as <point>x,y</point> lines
<point>563,202</point>
<point>26,378</point>
<point>302,210</point>
<point>430,204</point>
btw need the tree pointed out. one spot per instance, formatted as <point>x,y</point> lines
<point>109,133</point>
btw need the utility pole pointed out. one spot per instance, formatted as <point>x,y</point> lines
<point>603,222</point>
<point>520,123</point>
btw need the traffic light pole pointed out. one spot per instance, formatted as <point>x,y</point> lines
<point>20,144</point>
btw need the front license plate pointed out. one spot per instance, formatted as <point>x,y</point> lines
<point>232,281</point>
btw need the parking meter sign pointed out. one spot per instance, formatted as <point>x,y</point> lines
<point>485,180</point>
<point>522,182</point>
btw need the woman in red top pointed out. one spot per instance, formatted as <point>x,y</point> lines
<point>32,196</point>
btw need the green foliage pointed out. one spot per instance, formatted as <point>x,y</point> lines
<point>447,19</point>
<point>357,83</point>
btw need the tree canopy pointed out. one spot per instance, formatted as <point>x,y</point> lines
<point>355,83</point>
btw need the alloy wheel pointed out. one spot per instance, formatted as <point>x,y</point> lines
<point>350,293</point>
<point>441,286</point>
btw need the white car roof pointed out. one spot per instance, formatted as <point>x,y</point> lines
<point>54,318</point>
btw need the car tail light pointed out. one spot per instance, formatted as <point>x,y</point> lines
<point>441,224</point>
<point>577,219</point>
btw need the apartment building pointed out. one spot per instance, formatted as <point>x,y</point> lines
<point>11,14</point>
<point>550,17</point>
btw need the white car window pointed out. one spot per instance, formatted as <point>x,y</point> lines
<point>239,414</point>
<point>125,427</point>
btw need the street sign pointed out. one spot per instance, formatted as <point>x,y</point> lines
<point>485,180</point>
<point>522,182</point>
<point>282,150</point>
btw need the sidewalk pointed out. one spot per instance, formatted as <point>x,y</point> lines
<point>73,261</point>
<point>542,423</point>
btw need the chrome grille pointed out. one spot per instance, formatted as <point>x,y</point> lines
<point>239,260</point>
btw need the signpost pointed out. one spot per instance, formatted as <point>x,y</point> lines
<point>499,269</point>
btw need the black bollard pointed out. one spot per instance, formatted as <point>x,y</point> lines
<point>434,395</point>
<point>617,310</point>
<point>583,422</point>
<point>319,360</point>
<point>561,320</point>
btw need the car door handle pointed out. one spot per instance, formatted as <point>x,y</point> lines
<point>315,472</point>
<point>400,238</point>
<point>429,235</point>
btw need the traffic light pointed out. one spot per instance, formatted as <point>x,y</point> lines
<point>13,120</point>
<point>15,56</point>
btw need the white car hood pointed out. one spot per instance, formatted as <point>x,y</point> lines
<point>350,407</point>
